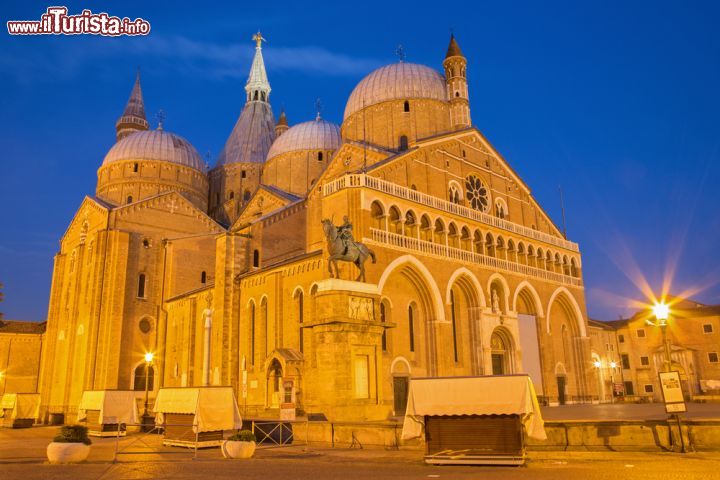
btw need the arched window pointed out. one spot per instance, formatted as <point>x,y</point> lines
<point>378,215</point>
<point>256,95</point>
<point>403,143</point>
<point>246,195</point>
<point>135,167</point>
<point>231,195</point>
<point>256,258</point>
<point>411,328</point>
<point>454,326</point>
<point>243,174</point>
<point>129,199</point>
<point>454,193</point>
<point>320,156</point>
<point>262,95</point>
<point>406,106</point>
<point>300,305</point>
<point>203,277</point>
<point>141,286</point>
<point>252,333</point>
<point>500,209</point>
<point>141,377</point>
<point>383,319</point>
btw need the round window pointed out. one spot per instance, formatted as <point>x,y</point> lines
<point>145,325</point>
<point>476,193</point>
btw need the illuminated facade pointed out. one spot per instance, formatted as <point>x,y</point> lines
<point>223,273</point>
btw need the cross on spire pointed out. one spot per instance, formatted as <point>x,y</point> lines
<point>400,52</point>
<point>160,116</point>
<point>318,108</point>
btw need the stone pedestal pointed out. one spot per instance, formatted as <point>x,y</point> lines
<point>346,333</point>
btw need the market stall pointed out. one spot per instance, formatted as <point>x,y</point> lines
<point>19,410</point>
<point>473,420</point>
<point>106,412</point>
<point>196,416</point>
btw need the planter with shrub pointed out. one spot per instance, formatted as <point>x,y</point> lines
<point>71,446</point>
<point>240,445</point>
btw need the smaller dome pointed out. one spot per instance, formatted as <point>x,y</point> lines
<point>155,145</point>
<point>313,135</point>
<point>396,81</point>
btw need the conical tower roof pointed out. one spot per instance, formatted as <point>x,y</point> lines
<point>254,131</point>
<point>453,49</point>
<point>133,118</point>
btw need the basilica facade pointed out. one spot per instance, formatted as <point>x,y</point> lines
<point>223,273</point>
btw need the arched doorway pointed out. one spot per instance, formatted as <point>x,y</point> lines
<point>501,353</point>
<point>561,378</point>
<point>274,383</point>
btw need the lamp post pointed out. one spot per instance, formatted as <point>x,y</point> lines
<point>145,416</point>
<point>613,365</point>
<point>661,312</point>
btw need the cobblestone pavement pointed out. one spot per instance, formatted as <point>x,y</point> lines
<point>22,457</point>
<point>627,411</point>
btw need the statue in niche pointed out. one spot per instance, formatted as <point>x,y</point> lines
<point>495,301</point>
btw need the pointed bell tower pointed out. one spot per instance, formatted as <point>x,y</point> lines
<point>282,124</point>
<point>133,118</point>
<point>455,65</point>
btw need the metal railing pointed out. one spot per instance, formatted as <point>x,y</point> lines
<point>383,237</point>
<point>357,180</point>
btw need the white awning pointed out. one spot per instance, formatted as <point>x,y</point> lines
<point>213,408</point>
<point>490,395</point>
<point>115,406</point>
<point>22,405</point>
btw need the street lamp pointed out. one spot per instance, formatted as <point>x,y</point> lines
<point>148,363</point>
<point>661,311</point>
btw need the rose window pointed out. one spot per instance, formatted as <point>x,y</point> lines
<point>476,193</point>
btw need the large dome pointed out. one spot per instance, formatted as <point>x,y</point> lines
<point>397,81</point>
<point>155,145</point>
<point>313,135</point>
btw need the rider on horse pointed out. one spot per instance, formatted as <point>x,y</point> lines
<point>345,233</point>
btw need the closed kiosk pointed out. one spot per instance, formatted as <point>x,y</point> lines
<point>473,420</point>
<point>106,412</point>
<point>19,410</point>
<point>196,416</point>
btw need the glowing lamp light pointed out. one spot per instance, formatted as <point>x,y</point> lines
<point>613,364</point>
<point>661,311</point>
<point>597,363</point>
<point>149,357</point>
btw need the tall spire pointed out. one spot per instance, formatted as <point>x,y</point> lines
<point>133,118</point>
<point>258,86</point>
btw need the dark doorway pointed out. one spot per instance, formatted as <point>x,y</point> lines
<point>561,390</point>
<point>400,395</point>
<point>498,364</point>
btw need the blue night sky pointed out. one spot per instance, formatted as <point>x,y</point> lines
<point>617,103</point>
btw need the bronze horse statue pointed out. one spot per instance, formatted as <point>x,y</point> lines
<point>354,252</point>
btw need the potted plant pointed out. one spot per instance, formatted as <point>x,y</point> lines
<point>239,445</point>
<point>71,446</point>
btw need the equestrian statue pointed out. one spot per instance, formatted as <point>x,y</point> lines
<point>343,247</point>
